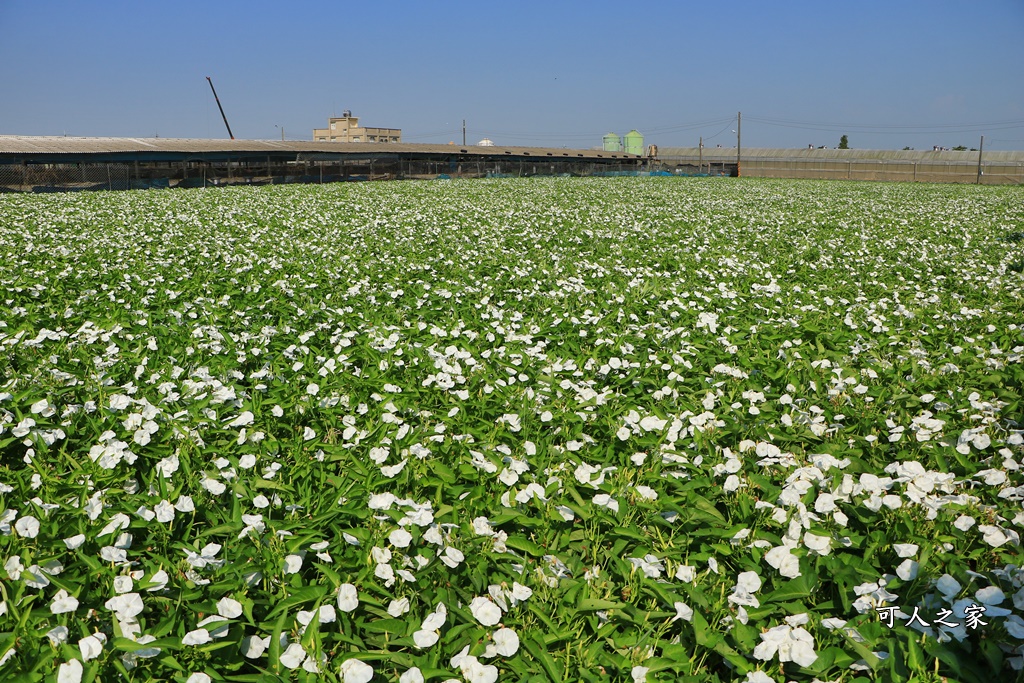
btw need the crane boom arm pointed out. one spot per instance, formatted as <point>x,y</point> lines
<point>226,125</point>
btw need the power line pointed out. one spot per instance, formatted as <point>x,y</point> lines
<point>581,135</point>
<point>891,129</point>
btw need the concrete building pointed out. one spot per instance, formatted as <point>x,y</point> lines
<point>346,128</point>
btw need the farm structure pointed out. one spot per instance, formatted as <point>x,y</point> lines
<point>945,166</point>
<point>53,164</point>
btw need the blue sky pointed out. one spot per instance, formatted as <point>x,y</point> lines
<point>887,74</point>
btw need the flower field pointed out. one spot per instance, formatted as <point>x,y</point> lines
<point>513,430</point>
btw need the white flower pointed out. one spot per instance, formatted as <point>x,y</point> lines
<point>398,607</point>
<point>199,677</point>
<point>90,647</point>
<point>948,586</point>
<point>650,565</point>
<point>476,672</point>
<point>485,611</point>
<point>817,544</point>
<point>435,619</point>
<point>70,672</point>
<point>993,535</point>
<point>348,598</point>
<point>482,527</point>
<point>783,559</point>
<point>126,606</point>
<point>63,603</point>
<point>27,526</point>
<point>164,511</point>
<point>905,549</point>
<point>758,677</point>
<point>991,595</point>
<point>74,542</point>
<point>639,673</point>
<point>292,564</point>
<point>229,608</point>
<point>1014,625</point>
<point>119,402</point>
<point>58,635</point>
<point>683,611</point>
<point>424,638</point>
<point>253,647</point>
<point>355,671</point>
<point>244,419</point>
<point>907,570</point>
<point>413,675</point>
<point>791,645</point>
<point>964,522</point>
<point>159,581</point>
<point>506,642</point>
<point>749,581</point>
<point>686,573</point>
<point>452,556</point>
<point>652,423</point>
<point>293,657</point>
<point>520,592</point>
<point>308,434</point>
<point>199,636</point>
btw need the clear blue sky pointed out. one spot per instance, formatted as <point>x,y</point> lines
<point>888,74</point>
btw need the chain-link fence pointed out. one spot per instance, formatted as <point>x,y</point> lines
<point>937,171</point>
<point>64,177</point>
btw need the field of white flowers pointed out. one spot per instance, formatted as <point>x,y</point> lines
<point>547,429</point>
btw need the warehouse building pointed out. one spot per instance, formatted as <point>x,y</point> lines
<point>50,164</point>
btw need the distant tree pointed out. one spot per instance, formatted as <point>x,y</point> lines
<point>960,148</point>
<point>844,142</point>
<point>907,148</point>
<point>974,149</point>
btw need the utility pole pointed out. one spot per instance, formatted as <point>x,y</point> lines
<point>700,164</point>
<point>282,133</point>
<point>739,124</point>
<point>463,132</point>
<point>980,148</point>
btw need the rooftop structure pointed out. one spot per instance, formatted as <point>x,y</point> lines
<point>346,128</point>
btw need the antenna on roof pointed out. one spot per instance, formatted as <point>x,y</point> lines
<point>221,108</point>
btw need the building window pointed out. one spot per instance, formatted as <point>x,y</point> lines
<point>334,126</point>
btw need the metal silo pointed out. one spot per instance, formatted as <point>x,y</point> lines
<point>634,142</point>
<point>612,143</point>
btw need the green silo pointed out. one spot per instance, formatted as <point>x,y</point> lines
<point>634,142</point>
<point>612,143</point>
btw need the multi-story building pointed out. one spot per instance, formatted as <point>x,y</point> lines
<point>346,128</point>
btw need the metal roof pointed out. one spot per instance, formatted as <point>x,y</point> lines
<point>727,154</point>
<point>24,145</point>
